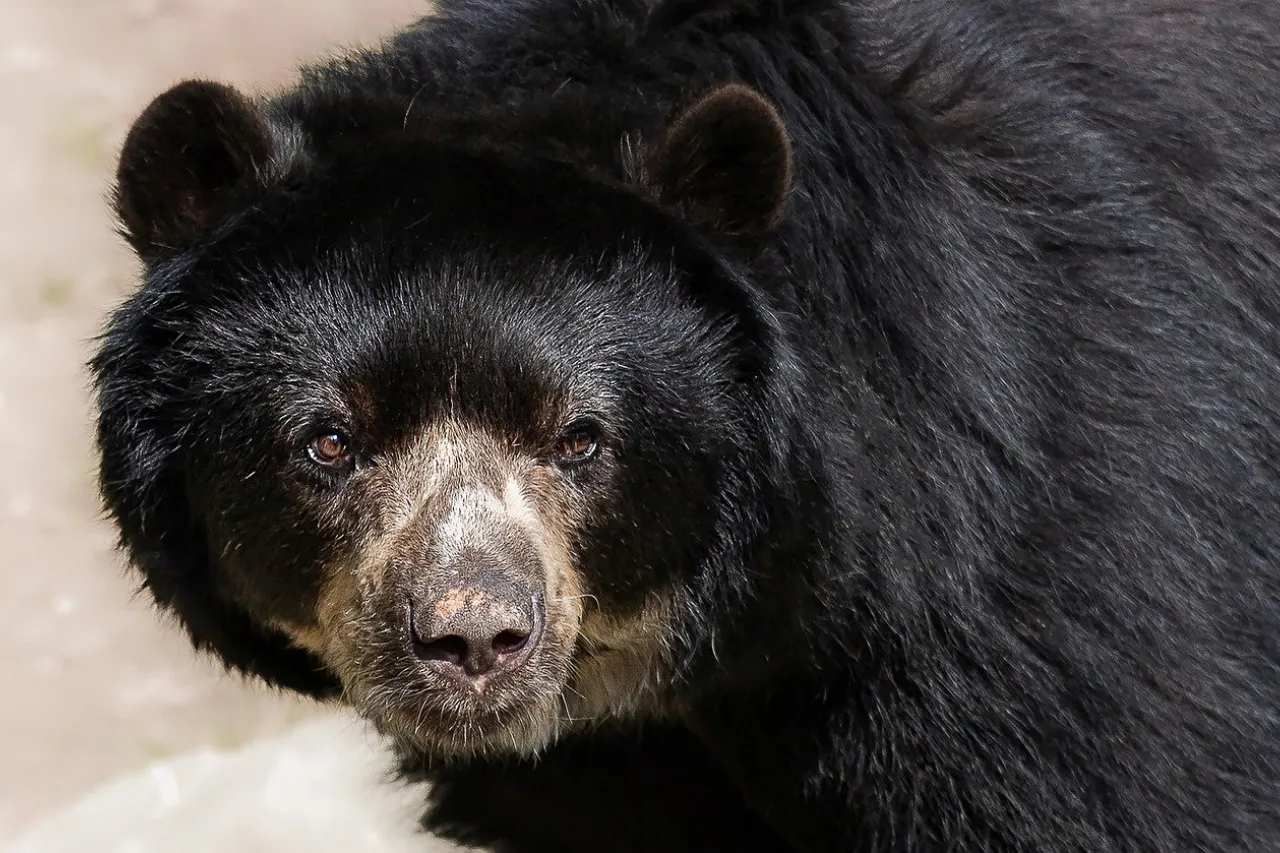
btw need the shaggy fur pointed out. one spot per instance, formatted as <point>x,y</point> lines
<point>948,431</point>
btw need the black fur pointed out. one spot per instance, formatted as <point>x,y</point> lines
<point>977,496</point>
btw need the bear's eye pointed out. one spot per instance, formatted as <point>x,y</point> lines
<point>576,444</point>
<point>331,450</point>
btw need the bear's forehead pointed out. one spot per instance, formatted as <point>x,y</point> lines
<point>431,302</point>
<point>498,339</point>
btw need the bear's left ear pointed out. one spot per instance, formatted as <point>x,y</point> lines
<point>187,149</point>
<point>725,162</point>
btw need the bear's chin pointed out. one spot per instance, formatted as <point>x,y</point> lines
<point>448,728</point>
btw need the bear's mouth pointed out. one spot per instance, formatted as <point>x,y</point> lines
<point>511,713</point>
<point>435,695</point>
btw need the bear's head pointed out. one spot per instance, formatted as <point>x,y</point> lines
<point>475,439</point>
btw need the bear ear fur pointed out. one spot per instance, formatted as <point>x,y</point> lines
<point>187,149</point>
<point>725,162</point>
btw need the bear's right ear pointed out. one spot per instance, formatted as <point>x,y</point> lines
<point>187,149</point>
<point>725,162</point>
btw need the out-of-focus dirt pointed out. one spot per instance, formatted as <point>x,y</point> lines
<point>93,684</point>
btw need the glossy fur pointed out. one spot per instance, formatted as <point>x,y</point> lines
<point>950,433</point>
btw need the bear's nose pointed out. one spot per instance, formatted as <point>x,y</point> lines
<point>472,629</point>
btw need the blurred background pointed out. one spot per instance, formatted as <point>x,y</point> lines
<point>114,736</point>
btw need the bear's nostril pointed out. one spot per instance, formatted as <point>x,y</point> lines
<point>509,642</point>
<point>449,649</point>
<point>468,631</point>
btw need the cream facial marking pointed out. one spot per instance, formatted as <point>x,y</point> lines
<point>472,511</point>
<point>463,531</point>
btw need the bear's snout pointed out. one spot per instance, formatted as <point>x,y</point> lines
<point>481,623</point>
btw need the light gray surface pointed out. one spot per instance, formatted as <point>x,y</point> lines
<point>318,788</point>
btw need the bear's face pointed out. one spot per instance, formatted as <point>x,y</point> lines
<point>431,476</point>
<point>449,431</point>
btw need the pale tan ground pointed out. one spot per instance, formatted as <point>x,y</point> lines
<point>92,686</point>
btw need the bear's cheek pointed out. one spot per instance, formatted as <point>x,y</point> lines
<point>621,646</point>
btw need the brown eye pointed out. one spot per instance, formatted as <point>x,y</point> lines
<point>330,450</point>
<point>577,444</point>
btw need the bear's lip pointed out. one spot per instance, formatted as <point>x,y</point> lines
<point>440,700</point>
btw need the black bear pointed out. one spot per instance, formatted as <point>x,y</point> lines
<point>813,425</point>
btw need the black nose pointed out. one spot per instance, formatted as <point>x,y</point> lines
<point>477,627</point>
